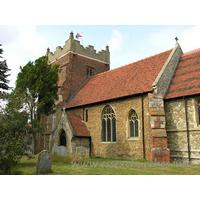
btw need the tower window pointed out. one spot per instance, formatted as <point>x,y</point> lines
<point>89,71</point>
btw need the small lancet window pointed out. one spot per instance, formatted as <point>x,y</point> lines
<point>89,72</point>
<point>133,124</point>
<point>86,115</point>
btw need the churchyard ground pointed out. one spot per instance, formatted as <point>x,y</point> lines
<point>106,166</point>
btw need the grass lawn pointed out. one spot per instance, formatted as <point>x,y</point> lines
<point>106,166</point>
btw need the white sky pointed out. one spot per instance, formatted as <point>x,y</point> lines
<point>127,43</point>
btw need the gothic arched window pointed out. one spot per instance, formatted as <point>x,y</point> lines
<point>63,139</point>
<point>133,124</point>
<point>108,125</point>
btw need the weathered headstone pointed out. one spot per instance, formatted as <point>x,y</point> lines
<point>54,150</point>
<point>82,151</point>
<point>44,162</point>
<point>62,151</point>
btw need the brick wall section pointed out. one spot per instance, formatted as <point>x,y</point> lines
<point>158,147</point>
<point>124,146</point>
<point>74,73</point>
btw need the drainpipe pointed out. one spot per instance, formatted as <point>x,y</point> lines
<point>143,129</point>
<point>186,121</point>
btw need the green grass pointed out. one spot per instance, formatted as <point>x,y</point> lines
<point>62,166</point>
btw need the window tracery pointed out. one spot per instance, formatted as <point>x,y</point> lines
<point>108,125</point>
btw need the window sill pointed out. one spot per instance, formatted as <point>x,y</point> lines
<point>133,139</point>
<point>108,142</point>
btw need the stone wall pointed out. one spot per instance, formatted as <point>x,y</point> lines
<point>177,129</point>
<point>72,142</point>
<point>163,79</point>
<point>80,141</point>
<point>63,125</point>
<point>124,146</point>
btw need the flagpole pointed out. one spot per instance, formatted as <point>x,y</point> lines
<point>82,38</point>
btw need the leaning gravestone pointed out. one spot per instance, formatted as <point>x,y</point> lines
<point>44,162</point>
<point>62,151</point>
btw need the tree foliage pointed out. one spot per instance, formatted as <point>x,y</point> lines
<point>40,82</point>
<point>3,73</point>
<point>13,130</point>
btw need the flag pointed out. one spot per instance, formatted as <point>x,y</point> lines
<point>78,35</point>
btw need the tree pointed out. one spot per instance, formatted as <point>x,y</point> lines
<point>39,81</point>
<point>3,76</point>
<point>13,129</point>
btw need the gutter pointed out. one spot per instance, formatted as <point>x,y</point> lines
<point>186,121</point>
<point>143,128</point>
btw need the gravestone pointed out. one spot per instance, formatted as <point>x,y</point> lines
<point>82,151</point>
<point>54,150</point>
<point>44,162</point>
<point>62,151</point>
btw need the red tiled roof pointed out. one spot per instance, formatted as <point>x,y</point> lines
<point>186,79</point>
<point>78,126</point>
<point>134,78</point>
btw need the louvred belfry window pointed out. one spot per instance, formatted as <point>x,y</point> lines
<point>133,124</point>
<point>108,125</point>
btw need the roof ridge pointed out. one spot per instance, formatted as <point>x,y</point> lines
<point>132,63</point>
<point>147,57</point>
<point>191,52</point>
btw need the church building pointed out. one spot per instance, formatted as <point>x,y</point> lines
<point>147,109</point>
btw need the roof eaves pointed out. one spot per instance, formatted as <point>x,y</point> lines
<point>113,99</point>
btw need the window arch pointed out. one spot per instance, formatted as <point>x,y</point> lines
<point>63,139</point>
<point>133,124</point>
<point>108,125</point>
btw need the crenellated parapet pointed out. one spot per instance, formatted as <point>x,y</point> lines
<point>75,47</point>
